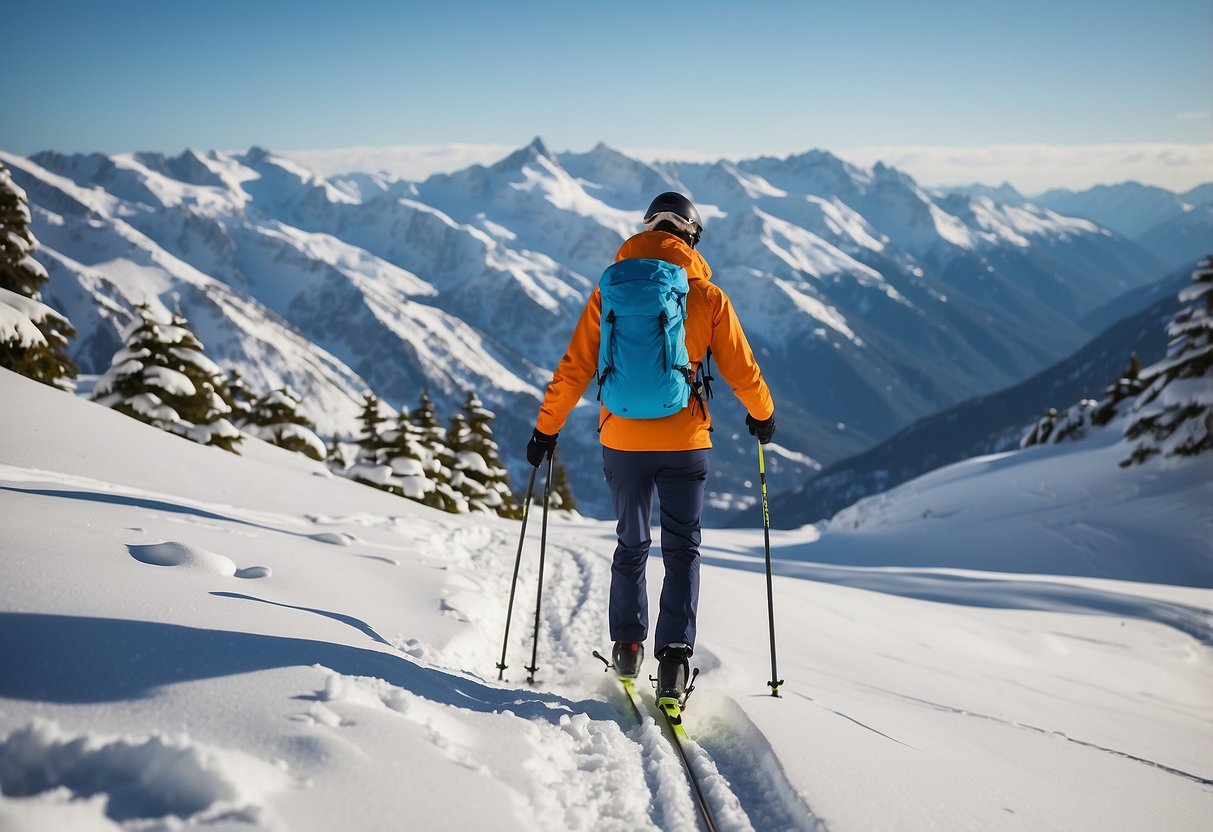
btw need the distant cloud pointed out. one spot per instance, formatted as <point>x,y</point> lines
<point>411,162</point>
<point>1031,168</point>
<point>1195,115</point>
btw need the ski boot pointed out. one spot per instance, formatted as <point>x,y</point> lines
<point>627,657</point>
<point>674,678</point>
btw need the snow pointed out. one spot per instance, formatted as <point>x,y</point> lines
<point>371,472</point>
<point>843,221</point>
<point>472,461</point>
<point>288,431</point>
<point>168,380</point>
<point>151,406</point>
<point>1021,641</point>
<point>131,777</point>
<point>196,358</point>
<point>218,429</point>
<point>20,316</point>
<point>17,327</point>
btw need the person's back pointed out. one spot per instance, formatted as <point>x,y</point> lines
<point>667,453</point>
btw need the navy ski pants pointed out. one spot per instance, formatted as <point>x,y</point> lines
<point>680,477</point>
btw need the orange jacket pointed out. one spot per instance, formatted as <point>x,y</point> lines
<point>711,322</point>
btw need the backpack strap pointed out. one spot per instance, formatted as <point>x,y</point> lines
<point>701,384</point>
<point>610,320</point>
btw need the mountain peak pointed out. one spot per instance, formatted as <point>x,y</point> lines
<point>536,151</point>
<point>256,155</point>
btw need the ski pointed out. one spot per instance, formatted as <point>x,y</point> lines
<point>671,712</point>
<point>629,688</point>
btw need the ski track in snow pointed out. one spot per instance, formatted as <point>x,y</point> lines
<point>740,751</point>
<point>574,609</point>
<point>1047,732</point>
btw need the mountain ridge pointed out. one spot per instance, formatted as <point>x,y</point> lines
<point>869,301</point>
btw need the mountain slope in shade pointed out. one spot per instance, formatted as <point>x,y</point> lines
<point>985,424</point>
<point>1176,228</point>
<point>1185,239</point>
<point>1129,209</point>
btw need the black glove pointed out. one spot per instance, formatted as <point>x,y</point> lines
<point>764,429</point>
<point>541,445</point>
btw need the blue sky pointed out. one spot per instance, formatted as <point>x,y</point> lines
<point>712,77</point>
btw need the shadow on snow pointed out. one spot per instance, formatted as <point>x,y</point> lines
<point>149,503</point>
<point>993,593</point>
<point>83,660</point>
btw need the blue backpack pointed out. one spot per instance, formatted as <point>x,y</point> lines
<point>643,367</point>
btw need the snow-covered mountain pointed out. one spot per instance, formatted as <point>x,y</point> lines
<point>990,423</point>
<point>1175,227</point>
<point>870,301</point>
<point>192,639</point>
<point>1129,208</point>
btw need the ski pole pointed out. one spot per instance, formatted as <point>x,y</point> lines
<point>509,611</point>
<point>776,683</point>
<point>543,545</point>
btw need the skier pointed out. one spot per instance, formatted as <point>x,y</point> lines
<point>669,453</point>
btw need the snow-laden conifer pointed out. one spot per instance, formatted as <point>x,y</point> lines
<point>478,472</point>
<point>561,495</point>
<point>338,460</point>
<point>240,397</point>
<point>406,455</point>
<point>562,489</point>
<point>33,336</point>
<point>162,377</point>
<point>275,417</point>
<point>369,467</point>
<point>1079,419</point>
<point>438,457</point>
<point>1173,416</point>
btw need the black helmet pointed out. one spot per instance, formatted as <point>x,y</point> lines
<point>677,213</point>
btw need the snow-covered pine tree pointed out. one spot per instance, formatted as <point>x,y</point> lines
<point>33,337</point>
<point>162,377</point>
<point>1128,385</point>
<point>1042,430</point>
<point>1173,416</point>
<point>369,468</point>
<point>240,397</point>
<point>438,457</point>
<point>561,496</point>
<point>561,487</point>
<point>1076,421</point>
<point>480,476</point>
<point>337,459</point>
<point>275,418</point>
<point>405,454</point>
<point>369,440</point>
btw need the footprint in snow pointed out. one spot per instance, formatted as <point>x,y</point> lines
<point>195,558</point>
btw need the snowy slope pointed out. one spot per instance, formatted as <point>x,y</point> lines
<point>248,643</point>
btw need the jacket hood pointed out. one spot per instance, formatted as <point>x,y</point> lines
<point>660,245</point>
